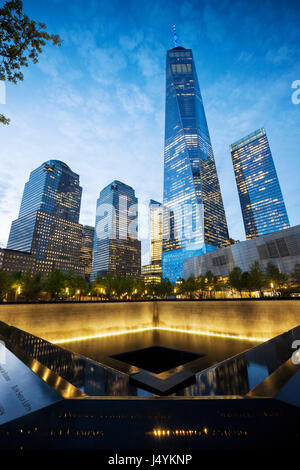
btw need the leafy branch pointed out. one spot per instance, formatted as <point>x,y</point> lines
<point>21,42</point>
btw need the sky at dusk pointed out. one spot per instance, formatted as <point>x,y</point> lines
<point>97,102</point>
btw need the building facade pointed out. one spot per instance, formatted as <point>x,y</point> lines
<point>117,249</point>
<point>259,191</point>
<point>194,219</point>
<point>153,272</point>
<point>86,253</point>
<point>47,225</point>
<point>156,214</point>
<point>281,248</point>
<point>14,261</point>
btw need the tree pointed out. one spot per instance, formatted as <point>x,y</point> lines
<point>189,287</point>
<point>137,287</point>
<point>235,279</point>
<point>31,285</point>
<point>16,283</point>
<point>275,278</point>
<point>257,277</point>
<point>152,289</point>
<point>246,282</point>
<point>166,288</point>
<point>55,284</point>
<point>5,284</point>
<point>212,283</point>
<point>75,284</point>
<point>21,41</point>
<point>295,275</point>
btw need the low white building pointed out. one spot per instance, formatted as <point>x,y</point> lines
<point>281,248</point>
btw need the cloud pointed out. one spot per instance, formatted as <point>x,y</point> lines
<point>131,42</point>
<point>245,56</point>
<point>280,55</point>
<point>98,101</point>
<point>134,101</point>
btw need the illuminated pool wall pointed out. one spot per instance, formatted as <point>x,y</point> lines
<point>250,318</point>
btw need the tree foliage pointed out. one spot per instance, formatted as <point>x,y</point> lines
<point>31,284</point>
<point>295,275</point>
<point>275,277</point>
<point>257,277</point>
<point>5,284</point>
<point>235,279</point>
<point>55,284</point>
<point>21,41</point>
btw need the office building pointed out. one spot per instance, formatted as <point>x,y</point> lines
<point>194,220</point>
<point>14,261</point>
<point>153,272</point>
<point>259,191</point>
<point>156,213</point>
<point>47,225</point>
<point>86,253</point>
<point>117,249</point>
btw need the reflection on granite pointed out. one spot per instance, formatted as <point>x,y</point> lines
<point>89,376</point>
<point>242,373</point>
<point>235,376</point>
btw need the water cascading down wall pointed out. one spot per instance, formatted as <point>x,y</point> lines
<point>248,318</point>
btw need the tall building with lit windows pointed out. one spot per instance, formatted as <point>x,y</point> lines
<point>86,255</point>
<point>156,213</point>
<point>116,250</point>
<point>194,219</point>
<point>153,272</point>
<point>47,225</point>
<point>262,204</point>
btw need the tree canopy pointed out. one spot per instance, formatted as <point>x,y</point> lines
<point>21,41</point>
<point>71,286</point>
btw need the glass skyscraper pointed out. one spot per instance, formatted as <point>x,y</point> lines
<point>153,272</point>
<point>259,191</point>
<point>86,255</point>
<point>156,212</point>
<point>117,249</point>
<point>47,225</point>
<point>194,219</point>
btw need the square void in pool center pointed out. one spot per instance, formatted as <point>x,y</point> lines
<point>157,359</point>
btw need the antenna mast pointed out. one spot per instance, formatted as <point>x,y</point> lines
<point>175,36</point>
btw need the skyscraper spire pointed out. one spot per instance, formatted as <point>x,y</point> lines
<point>175,36</point>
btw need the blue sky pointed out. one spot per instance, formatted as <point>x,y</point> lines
<point>97,103</point>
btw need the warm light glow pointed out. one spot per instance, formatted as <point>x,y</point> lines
<point>161,328</point>
<point>19,290</point>
<point>208,333</point>
<point>102,335</point>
